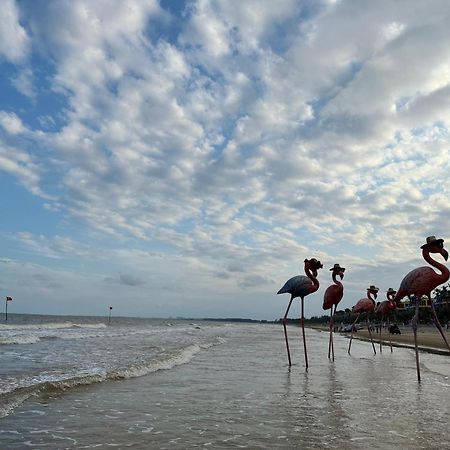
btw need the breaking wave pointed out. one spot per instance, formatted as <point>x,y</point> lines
<point>10,400</point>
<point>33,333</point>
<point>50,326</point>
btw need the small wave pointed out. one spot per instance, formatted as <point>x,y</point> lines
<point>34,333</point>
<point>50,326</point>
<point>12,399</point>
<point>28,339</point>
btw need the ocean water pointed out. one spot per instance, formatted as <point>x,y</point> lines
<point>72,382</point>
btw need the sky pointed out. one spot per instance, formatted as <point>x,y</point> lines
<point>183,158</point>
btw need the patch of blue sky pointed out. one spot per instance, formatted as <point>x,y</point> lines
<point>227,131</point>
<point>344,80</point>
<point>167,29</point>
<point>419,132</point>
<point>402,102</point>
<point>185,226</point>
<point>45,108</point>
<point>23,211</point>
<point>11,99</point>
<point>285,32</point>
<point>441,130</point>
<point>317,106</point>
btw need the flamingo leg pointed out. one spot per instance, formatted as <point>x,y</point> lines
<point>381,347</point>
<point>389,326</point>
<point>285,332</point>
<point>370,334</point>
<point>414,327</point>
<point>332,342</point>
<point>331,332</point>
<point>438,325</point>
<point>351,337</point>
<point>303,333</point>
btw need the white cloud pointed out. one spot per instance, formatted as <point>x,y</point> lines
<point>13,37</point>
<point>264,133</point>
<point>11,123</point>
<point>20,164</point>
<point>23,82</point>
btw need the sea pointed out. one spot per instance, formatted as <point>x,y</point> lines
<point>81,383</point>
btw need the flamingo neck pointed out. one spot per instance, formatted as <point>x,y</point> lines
<point>337,282</point>
<point>391,300</point>
<point>444,275</point>
<point>370,296</point>
<point>313,279</point>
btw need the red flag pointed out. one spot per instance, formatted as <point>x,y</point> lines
<point>9,299</point>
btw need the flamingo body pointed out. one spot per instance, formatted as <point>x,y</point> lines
<point>333,295</point>
<point>419,282</point>
<point>364,305</point>
<point>385,307</point>
<point>301,286</point>
<point>298,286</point>
<point>422,281</point>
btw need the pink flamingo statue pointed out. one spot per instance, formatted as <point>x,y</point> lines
<point>333,295</point>
<point>421,282</point>
<point>301,286</point>
<point>365,305</point>
<point>383,309</point>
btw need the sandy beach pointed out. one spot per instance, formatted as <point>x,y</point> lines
<point>428,337</point>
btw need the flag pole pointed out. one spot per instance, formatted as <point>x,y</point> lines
<point>109,318</point>
<point>6,310</point>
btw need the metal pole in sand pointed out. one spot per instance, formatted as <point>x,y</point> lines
<point>109,317</point>
<point>8,299</point>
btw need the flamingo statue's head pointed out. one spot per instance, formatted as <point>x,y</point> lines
<point>338,270</point>
<point>434,245</point>
<point>372,290</point>
<point>313,265</point>
<point>390,293</point>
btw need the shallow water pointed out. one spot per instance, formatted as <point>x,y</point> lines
<point>235,390</point>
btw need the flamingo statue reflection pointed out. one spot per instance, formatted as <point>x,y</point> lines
<point>333,295</point>
<point>301,286</point>
<point>365,305</point>
<point>383,309</point>
<point>421,282</point>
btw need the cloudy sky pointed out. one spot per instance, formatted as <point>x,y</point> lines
<point>182,158</point>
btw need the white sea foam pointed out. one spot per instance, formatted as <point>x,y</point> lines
<point>34,333</point>
<point>51,382</point>
<point>50,326</point>
<point>19,339</point>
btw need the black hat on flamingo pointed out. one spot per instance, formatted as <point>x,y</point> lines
<point>432,240</point>
<point>338,267</point>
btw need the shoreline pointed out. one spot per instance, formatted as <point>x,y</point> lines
<point>428,338</point>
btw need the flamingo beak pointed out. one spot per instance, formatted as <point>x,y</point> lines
<point>444,253</point>
<point>341,274</point>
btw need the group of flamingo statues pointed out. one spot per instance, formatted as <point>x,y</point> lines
<point>416,284</point>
